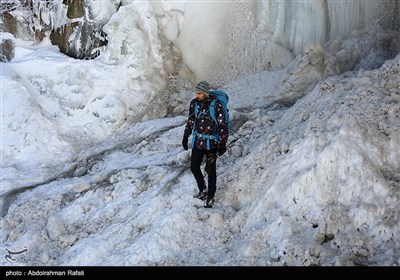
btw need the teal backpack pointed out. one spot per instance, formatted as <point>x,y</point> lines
<point>223,97</point>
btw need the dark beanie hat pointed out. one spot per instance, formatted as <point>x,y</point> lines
<point>204,87</point>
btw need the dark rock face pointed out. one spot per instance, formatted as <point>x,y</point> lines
<point>7,47</point>
<point>80,38</point>
<point>9,23</point>
<point>75,8</point>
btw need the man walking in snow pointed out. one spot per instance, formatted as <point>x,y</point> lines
<point>209,139</point>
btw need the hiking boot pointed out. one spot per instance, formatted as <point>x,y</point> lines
<point>202,194</point>
<point>209,202</point>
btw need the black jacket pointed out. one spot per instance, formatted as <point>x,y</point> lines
<point>205,126</point>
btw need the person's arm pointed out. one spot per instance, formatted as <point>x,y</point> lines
<point>190,122</point>
<point>189,125</point>
<point>223,132</point>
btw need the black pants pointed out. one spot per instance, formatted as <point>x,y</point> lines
<point>211,168</point>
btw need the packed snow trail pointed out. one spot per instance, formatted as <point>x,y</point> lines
<point>315,183</point>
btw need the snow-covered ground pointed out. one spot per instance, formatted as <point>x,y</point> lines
<point>310,183</point>
<point>93,172</point>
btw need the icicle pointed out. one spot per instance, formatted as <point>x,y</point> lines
<point>280,21</point>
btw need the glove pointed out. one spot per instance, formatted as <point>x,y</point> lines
<point>221,149</point>
<point>185,142</point>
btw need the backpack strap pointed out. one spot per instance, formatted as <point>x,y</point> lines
<point>212,111</point>
<point>196,110</point>
<point>196,114</point>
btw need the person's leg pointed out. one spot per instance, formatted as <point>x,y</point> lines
<point>195,162</point>
<point>211,157</point>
